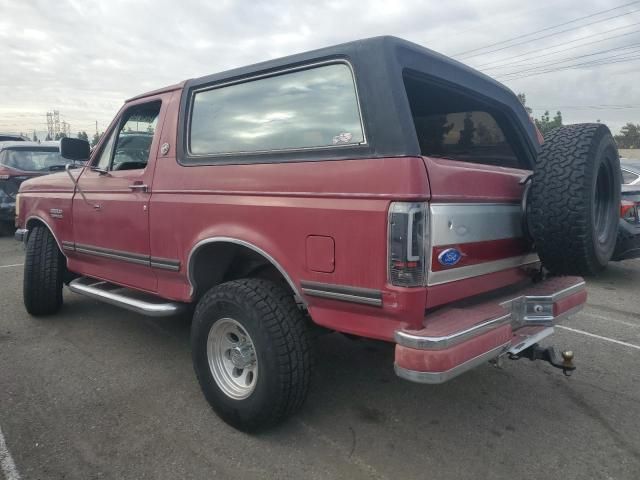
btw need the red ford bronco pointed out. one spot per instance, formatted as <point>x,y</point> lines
<point>374,188</point>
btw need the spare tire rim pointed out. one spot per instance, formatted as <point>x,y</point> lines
<point>232,358</point>
<point>603,202</point>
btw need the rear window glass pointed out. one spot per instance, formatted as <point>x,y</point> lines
<point>452,125</point>
<point>311,108</point>
<point>36,160</point>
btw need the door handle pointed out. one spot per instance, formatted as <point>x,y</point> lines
<point>138,187</point>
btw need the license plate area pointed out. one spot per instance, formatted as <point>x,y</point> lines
<point>523,340</point>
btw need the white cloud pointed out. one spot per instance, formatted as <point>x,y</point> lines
<point>84,58</point>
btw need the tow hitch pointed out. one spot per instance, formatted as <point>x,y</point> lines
<point>536,352</point>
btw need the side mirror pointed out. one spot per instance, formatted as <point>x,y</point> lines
<point>74,149</point>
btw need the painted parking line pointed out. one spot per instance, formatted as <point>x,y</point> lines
<point>609,319</point>
<point>612,340</point>
<point>7,464</point>
<point>12,265</point>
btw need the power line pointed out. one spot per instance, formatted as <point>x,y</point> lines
<point>594,61</point>
<point>550,34</point>
<point>570,59</point>
<point>544,29</point>
<point>586,107</point>
<point>537,50</point>
<point>570,67</point>
<point>607,61</point>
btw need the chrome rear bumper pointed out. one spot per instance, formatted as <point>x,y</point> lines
<point>459,339</point>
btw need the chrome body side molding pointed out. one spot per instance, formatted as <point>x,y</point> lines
<point>461,273</point>
<point>140,259</point>
<point>344,293</point>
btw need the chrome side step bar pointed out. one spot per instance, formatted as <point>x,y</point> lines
<point>133,300</point>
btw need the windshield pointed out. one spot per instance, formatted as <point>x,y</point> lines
<point>33,160</point>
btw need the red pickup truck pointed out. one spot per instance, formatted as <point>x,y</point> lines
<point>374,188</point>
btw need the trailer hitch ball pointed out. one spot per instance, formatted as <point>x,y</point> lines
<point>536,352</point>
<point>567,359</point>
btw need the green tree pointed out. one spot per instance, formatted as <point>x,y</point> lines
<point>35,137</point>
<point>83,136</point>
<point>629,136</point>
<point>523,100</point>
<point>60,135</point>
<point>545,123</point>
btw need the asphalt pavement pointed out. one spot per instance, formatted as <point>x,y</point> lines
<point>96,392</point>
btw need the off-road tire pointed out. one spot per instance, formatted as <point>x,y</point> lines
<point>268,313</point>
<point>574,199</point>
<point>44,269</point>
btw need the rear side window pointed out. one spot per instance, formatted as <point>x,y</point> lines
<point>452,125</point>
<point>312,108</point>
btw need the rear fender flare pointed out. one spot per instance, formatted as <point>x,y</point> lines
<point>244,243</point>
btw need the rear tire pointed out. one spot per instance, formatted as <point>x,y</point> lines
<point>251,352</point>
<point>44,269</point>
<point>575,199</point>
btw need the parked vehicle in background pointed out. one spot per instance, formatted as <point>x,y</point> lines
<point>628,243</point>
<point>374,188</point>
<point>630,171</point>
<point>12,137</point>
<point>19,161</point>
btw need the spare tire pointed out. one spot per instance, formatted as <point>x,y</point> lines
<point>574,200</point>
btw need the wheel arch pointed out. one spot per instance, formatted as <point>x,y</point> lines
<point>203,271</point>
<point>34,220</point>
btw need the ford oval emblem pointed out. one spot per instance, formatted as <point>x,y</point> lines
<point>449,257</point>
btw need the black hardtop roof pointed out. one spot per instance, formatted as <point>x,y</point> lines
<point>380,48</point>
<point>379,64</point>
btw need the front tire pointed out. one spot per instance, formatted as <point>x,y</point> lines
<point>251,352</point>
<point>44,269</point>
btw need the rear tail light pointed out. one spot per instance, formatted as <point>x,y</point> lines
<point>408,243</point>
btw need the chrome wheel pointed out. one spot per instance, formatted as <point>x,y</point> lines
<point>232,358</point>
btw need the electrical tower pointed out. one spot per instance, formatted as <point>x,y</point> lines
<point>50,133</point>
<point>56,124</point>
<point>66,129</point>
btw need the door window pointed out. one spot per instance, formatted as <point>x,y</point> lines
<point>105,155</point>
<point>129,146</point>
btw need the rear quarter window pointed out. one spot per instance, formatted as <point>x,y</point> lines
<point>454,125</point>
<point>312,108</point>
